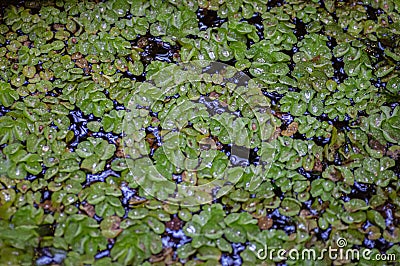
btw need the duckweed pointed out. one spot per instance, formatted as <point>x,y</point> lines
<point>198,132</point>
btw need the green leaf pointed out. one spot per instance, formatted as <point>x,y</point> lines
<point>376,218</point>
<point>355,205</point>
<point>93,164</point>
<point>290,207</point>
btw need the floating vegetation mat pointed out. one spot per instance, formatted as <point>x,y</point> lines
<point>199,133</point>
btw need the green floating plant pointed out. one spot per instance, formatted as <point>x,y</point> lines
<point>271,238</point>
<point>12,130</point>
<point>95,152</point>
<point>239,226</point>
<point>278,29</point>
<point>206,230</point>
<point>333,68</point>
<point>383,126</point>
<point>376,172</point>
<point>105,198</point>
<point>23,234</point>
<point>19,162</point>
<point>356,60</point>
<point>140,235</point>
<point>311,127</point>
<point>80,235</point>
<point>8,96</point>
